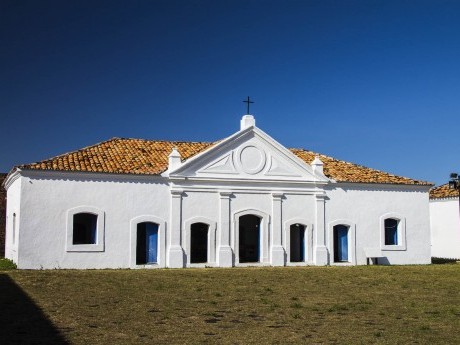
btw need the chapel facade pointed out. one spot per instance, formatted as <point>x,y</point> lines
<point>244,200</point>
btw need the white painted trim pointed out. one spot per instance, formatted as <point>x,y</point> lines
<point>249,187</point>
<point>93,176</point>
<point>12,176</point>
<point>161,254</point>
<point>212,227</point>
<point>100,230</point>
<point>263,233</point>
<point>402,245</point>
<point>351,241</point>
<point>308,238</point>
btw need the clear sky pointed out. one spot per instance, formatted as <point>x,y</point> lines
<point>372,82</point>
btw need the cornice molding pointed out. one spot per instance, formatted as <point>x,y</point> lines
<point>12,176</point>
<point>93,176</point>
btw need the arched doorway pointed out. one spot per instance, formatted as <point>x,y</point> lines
<point>297,243</point>
<point>147,243</point>
<point>341,243</point>
<point>199,243</point>
<point>249,238</point>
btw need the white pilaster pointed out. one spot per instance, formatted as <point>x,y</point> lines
<point>175,251</point>
<point>321,252</point>
<point>278,257</point>
<point>225,253</point>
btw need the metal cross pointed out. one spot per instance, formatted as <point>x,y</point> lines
<point>248,101</point>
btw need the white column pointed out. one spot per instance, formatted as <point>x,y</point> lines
<point>321,252</point>
<point>225,253</point>
<point>175,252</point>
<point>276,248</point>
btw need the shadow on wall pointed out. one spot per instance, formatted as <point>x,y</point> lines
<point>21,320</point>
<point>2,215</point>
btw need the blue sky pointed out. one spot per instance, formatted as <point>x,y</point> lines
<point>372,82</point>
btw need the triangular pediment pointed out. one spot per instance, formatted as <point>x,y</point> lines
<point>249,154</point>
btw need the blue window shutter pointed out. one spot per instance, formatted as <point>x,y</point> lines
<point>151,240</point>
<point>343,243</point>
<point>302,241</point>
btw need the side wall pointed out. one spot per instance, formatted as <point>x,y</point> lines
<point>445,228</point>
<point>45,205</point>
<point>363,208</point>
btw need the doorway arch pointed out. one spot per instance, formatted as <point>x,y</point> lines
<point>249,239</point>
<point>251,228</point>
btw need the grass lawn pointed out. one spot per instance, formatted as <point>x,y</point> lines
<point>343,305</point>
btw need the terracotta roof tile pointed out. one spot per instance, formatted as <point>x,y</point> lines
<point>443,191</point>
<point>342,171</point>
<point>150,157</point>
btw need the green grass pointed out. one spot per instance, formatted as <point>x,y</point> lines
<point>290,305</point>
<point>6,264</point>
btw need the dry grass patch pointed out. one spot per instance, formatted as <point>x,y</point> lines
<point>373,304</point>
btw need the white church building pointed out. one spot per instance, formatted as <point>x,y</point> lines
<point>243,200</point>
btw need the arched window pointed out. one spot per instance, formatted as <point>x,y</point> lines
<point>84,228</point>
<point>147,243</point>
<point>341,243</point>
<point>391,232</point>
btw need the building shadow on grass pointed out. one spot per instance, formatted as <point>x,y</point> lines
<point>21,320</point>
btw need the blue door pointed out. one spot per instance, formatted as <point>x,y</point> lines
<point>151,242</point>
<point>340,243</point>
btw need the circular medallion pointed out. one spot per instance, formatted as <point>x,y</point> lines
<point>252,159</point>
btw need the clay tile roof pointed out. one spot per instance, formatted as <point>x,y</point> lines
<point>150,157</point>
<point>121,156</point>
<point>342,171</point>
<point>443,191</point>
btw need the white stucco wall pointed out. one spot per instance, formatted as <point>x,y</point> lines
<point>46,201</point>
<point>42,202</point>
<point>363,206</point>
<point>445,228</point>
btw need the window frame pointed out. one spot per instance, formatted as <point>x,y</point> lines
<point>351,242</point>
<point>161,249</point>
<point>401,232</point>
<point>212,245</point>
<point>308,241</point>
<point>99,246</point>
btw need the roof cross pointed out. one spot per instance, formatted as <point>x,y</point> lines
<point>248,101</point>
